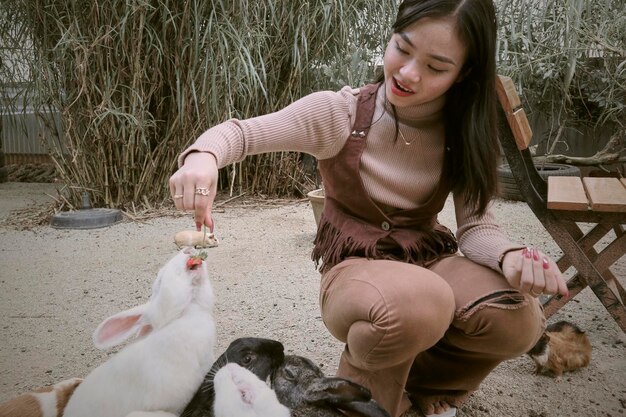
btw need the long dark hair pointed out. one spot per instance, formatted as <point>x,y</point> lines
<point>470,112</point>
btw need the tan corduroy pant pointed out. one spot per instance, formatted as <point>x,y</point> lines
<point>433,332</point>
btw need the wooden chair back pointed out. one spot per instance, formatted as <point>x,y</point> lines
<point>563,202</point>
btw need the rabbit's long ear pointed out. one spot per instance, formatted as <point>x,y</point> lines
<point>119,327</point>
<point>366,409</point>
<point>335,391</point>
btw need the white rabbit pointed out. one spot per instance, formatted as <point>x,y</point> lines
<point>261,356</point>
<point>175,347</point>
<point>240,393</point>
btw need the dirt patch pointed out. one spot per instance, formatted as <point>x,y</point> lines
<point>57,285</point>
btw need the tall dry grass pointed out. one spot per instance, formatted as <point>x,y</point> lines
<point>136,81</point>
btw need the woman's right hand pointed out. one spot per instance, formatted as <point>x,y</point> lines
<point>194,185</point>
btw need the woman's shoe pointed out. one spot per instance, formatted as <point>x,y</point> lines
<point>450,413</point>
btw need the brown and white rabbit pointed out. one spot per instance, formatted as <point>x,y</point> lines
<point>173,350</point>
<point>261,356</point>
<point>563,347</point>
<point>302,387</point>
<point>41,402</point>
<point>240,393</point>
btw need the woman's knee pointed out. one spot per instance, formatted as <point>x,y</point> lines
<point>491,313</point>
<point>386,311</point>
<point>531,319</point>
<point>511,322</point>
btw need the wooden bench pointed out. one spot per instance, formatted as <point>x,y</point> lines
<point>563,204</point>
<point>598,194</point>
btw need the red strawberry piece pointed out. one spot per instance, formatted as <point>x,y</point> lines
<point>193,262</point>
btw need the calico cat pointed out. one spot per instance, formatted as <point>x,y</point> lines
<point>563,347</point>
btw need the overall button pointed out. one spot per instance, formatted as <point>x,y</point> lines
<point>385,226</point>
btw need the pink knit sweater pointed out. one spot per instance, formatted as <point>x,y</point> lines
<point>394,174</point>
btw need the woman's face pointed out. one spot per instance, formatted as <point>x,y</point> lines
<point>422,62</point>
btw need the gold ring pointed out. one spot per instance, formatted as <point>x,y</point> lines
<point>202,191</point>
<point>178,196</point>
<point>534,294</point>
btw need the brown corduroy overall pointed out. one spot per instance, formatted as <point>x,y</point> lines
<point>416,318</point>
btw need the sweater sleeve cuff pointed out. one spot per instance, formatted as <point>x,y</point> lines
<point>186,152</point>
<point>503,253</point>
<point>224,141</point>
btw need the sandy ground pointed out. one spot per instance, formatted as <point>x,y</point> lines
<point>57,285</point>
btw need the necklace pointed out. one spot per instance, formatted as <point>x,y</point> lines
<point>389,107</point>
<point>406,142</point>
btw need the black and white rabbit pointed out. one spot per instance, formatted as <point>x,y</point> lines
<point>302,387</point>
<point>240,393</point>
<point>161,370</point>
<point>260,356</point>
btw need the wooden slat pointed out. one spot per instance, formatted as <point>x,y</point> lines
<point>606,194</point>
<point>515,115</point>
<point>506,94</point>
<point>566,193</point>
<point>522,132</point>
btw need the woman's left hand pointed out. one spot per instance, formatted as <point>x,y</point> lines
<point>533,272</point>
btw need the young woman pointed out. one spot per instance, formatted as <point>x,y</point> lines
<point>421,323</point>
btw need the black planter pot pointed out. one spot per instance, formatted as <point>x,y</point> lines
<point>508,187</point>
